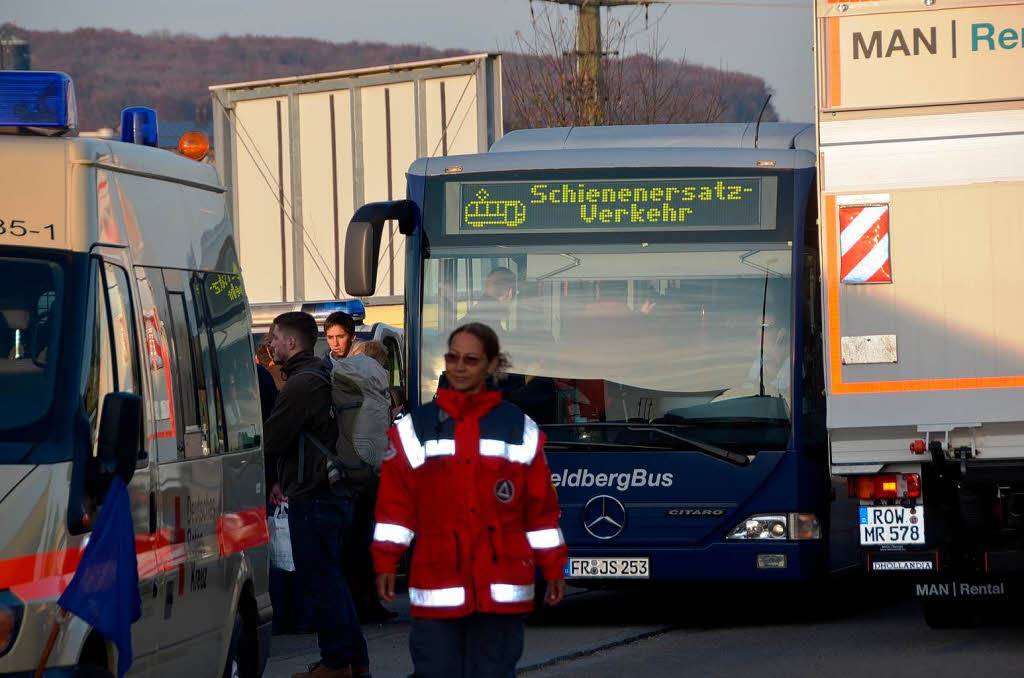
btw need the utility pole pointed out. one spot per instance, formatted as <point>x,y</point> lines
<point>589,52</point>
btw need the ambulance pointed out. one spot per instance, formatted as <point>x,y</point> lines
<point>125,349</point>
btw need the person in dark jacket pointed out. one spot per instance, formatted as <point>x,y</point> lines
<point>317,517</point>
<point>466,476</point>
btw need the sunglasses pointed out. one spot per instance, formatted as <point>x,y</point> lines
<point>467,360</point>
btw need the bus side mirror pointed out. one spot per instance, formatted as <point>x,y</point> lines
<point>362,241</point>
<point>120,431</point>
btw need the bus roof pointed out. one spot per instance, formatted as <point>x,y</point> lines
<point>771,135</point>
<point>789,145</point>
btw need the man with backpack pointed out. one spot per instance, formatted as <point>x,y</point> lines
<point>300,438</point>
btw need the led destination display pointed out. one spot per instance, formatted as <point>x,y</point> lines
<point>572,205</point>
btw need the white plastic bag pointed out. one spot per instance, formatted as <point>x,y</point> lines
<point>280,539</point>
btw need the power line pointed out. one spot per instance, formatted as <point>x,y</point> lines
<point>739,3</point>
<point>274,186</point>
<point>448,123</point>
<point>314,253</point>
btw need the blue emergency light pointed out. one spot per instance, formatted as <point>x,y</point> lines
<point>44,100</point>
<point>353,307</point>
<point>138,126</point>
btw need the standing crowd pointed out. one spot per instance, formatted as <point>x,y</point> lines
<point>462,479</point>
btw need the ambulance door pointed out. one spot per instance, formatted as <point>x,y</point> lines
<point>115,365</point>
<point>190,494</point>
<point>242,531</point>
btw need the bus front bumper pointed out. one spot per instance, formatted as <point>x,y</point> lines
<point>764,560</point>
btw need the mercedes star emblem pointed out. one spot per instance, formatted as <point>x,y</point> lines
<point>604,517</point>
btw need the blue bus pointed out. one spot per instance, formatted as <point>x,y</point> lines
<point>656,288</point>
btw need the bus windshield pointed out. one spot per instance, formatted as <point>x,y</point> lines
<point>695,339</point>
<point>31,296</point>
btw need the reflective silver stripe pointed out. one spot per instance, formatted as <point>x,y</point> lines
<point>511,593</point>
<point>522,453</point>
<point>393,533</point>
<point>545,539</point>
<point>493,448</point>
<point>527,450</point>
<point>410,443</point>
<point>439,448</point>
<point>453,597</point>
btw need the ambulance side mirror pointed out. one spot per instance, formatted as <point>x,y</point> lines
<point>117,449</point>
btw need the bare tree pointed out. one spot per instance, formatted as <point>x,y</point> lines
<point>543,87</point>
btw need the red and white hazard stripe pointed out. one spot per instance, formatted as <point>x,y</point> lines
<point>864,243</point>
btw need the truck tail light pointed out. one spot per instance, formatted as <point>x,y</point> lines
<point>865,487</point>
<point>886,486</point>
<point>913,485</point>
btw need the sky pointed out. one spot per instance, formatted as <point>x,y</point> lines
<point>768,38</point>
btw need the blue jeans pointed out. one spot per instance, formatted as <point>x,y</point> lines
<point>317,524</point>
<point>477,646</point>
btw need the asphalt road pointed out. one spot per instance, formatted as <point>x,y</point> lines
<point>847,629</point>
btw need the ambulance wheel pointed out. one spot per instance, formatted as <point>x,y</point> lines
<point>92,671</point>
<point>242,659</point>
<point>93,661</point>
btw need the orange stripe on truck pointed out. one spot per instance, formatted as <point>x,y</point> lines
<point>837,385</point>
<point>835,90</point>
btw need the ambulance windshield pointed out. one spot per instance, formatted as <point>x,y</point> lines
<point>31,296</point>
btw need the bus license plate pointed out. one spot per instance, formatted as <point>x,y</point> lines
<point>613,568</point>
<point>882,525</point>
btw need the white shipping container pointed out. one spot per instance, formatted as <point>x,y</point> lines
<point>300,155</point>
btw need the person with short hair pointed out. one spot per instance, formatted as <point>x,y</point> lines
<point>340,332</point>
<point>495,308</point>
<point>466,477</point>
<point>317,517</point>
<point>373,349</point>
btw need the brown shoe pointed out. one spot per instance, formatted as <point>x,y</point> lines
<point>318,670</point>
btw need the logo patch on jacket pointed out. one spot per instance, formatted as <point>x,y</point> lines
<point>504,490</point>
<point>390,452</point>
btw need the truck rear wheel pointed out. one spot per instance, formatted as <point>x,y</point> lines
<point>947,614</point>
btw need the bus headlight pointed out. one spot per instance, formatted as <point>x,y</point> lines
<point>777,526</point>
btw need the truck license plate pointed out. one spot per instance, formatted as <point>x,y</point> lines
<point>883,525</point>
<point>612,568</point>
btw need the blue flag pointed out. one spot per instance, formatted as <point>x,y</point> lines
<point>104,591</point>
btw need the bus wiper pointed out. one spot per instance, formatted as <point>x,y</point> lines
<point>708,448</point>
<point>664,429</point>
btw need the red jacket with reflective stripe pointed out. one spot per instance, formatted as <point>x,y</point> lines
<point>466,476</point>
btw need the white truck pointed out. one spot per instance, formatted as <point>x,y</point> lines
<point>920,112</point>
<point>299,155</point>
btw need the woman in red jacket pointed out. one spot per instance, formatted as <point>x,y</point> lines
<point>466,476</point>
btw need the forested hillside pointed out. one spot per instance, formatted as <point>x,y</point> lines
<point>114,69</point>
